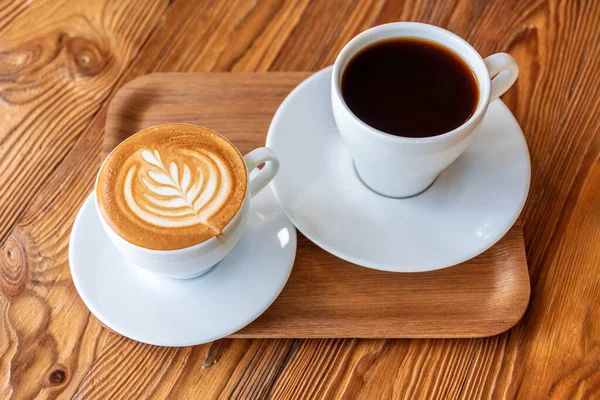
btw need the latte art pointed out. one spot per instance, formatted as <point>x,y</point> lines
<point>177,195</point>
<point>171,189</point>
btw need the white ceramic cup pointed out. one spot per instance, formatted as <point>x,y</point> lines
<point>196,260</point>
<point>398,166</point>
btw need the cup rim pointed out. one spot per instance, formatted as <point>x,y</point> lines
<point>483,82</point>
<point>182,250</point>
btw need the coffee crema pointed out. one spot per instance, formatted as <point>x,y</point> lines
<point>171,186</point>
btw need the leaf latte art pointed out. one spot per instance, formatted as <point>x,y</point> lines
<point>171,186</point>
<point>177,195</point>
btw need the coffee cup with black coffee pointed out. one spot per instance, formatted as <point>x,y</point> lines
<point>407,98</point>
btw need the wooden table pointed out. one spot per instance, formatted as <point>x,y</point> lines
<point>60,64</point>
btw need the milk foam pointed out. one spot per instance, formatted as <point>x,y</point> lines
<point>187,192</point>
<point>171,186</point>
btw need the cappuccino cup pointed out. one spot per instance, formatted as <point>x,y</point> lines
<point>174,198</point>
<point>405,161</point>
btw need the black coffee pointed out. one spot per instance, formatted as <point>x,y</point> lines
<point>410,87</point>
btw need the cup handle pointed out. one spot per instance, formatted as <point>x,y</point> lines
<point>503,72</point>
<point>262,179</point>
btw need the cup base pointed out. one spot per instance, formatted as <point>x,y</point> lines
<point>391,196</point>
<point>178,277</point>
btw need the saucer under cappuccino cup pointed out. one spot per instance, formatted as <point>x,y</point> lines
<point>407,98</point>
<point>174,198</point>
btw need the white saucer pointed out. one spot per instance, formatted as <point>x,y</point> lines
<point>470,207</point>
<point>169,312</point>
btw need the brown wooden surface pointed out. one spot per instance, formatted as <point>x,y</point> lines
<point>60,63</point>
<point>327,297</point>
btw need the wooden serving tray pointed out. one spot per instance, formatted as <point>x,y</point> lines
<point>326,296</point>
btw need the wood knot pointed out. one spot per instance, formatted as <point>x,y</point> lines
<point>88,58</point>
<point>15,62</point>
<point>13,265</point>
<point>57,377</point>
<point>215,351</point>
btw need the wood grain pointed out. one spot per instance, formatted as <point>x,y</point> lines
<point>327,297</point>
<point>61,63</point>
